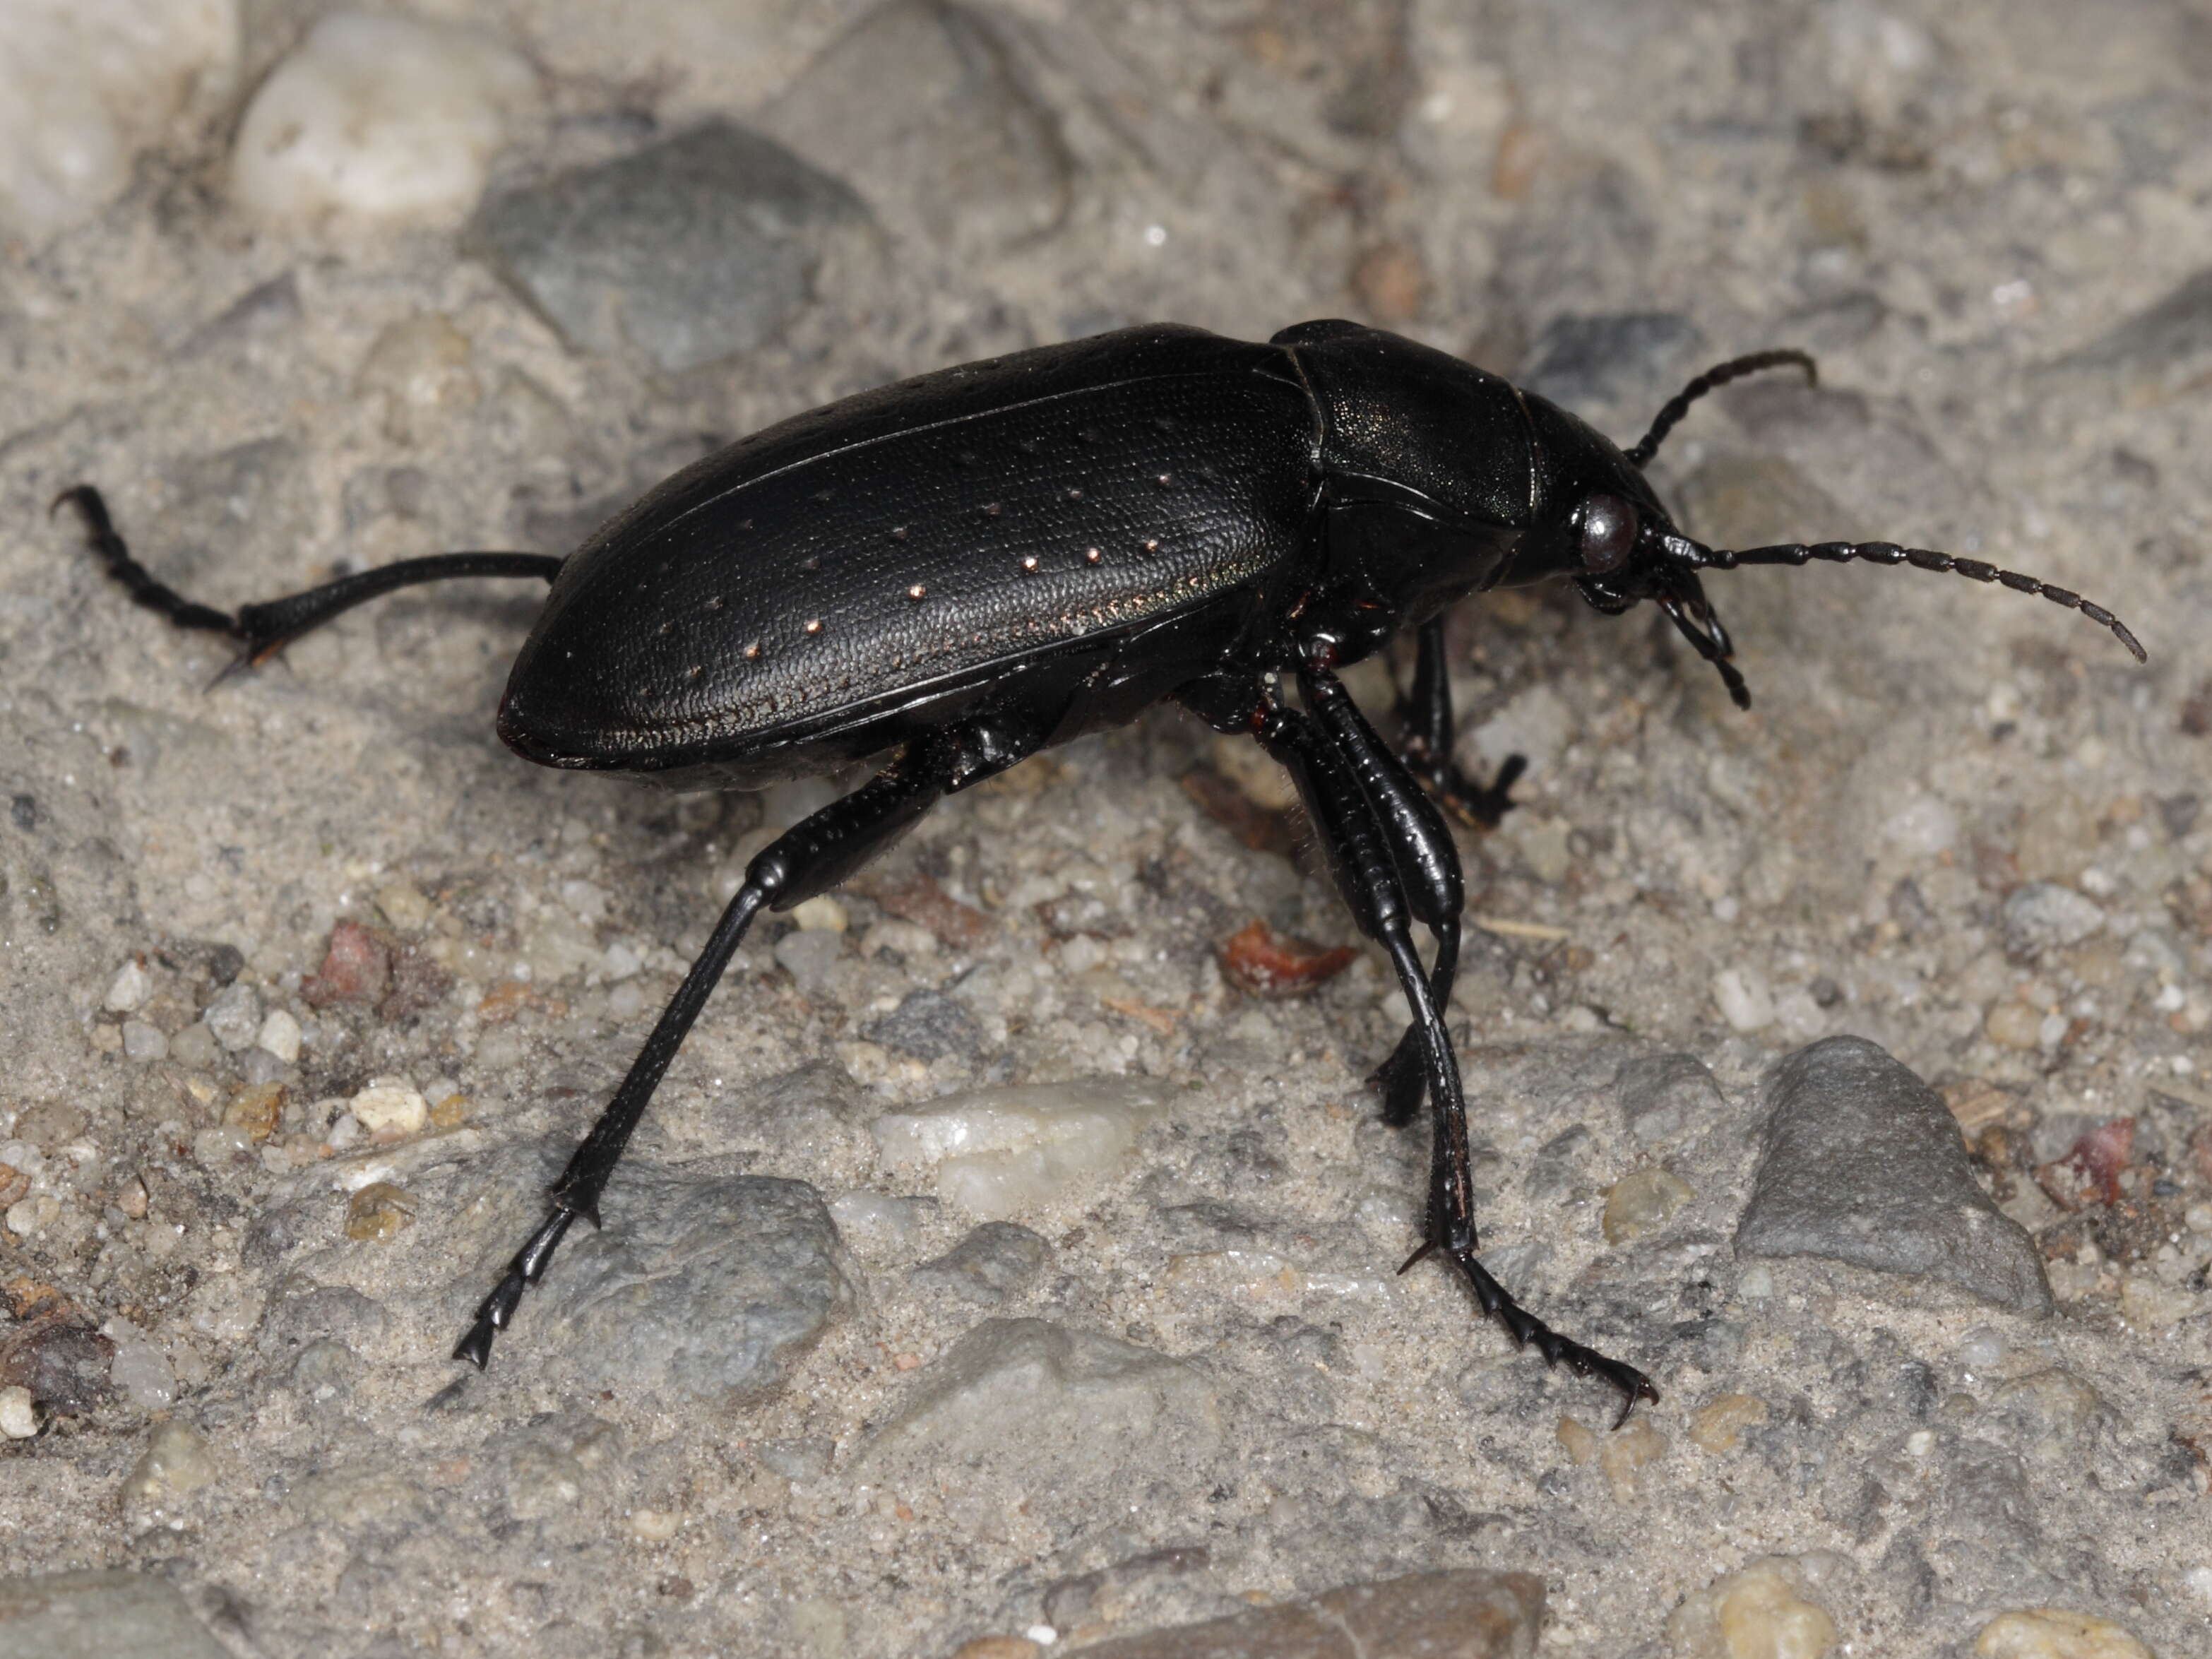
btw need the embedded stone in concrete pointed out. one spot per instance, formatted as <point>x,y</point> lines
<point>1861,1162</point>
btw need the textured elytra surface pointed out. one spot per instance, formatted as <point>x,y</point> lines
<point>860,554</point>
<point>1985,219</point>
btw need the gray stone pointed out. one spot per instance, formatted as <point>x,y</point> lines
<point>923,107</point>
<point>2162,352</point>
<point>99,1615</point>
<point>234,1017</point>
<point>2044,916</point>
<point>1665,1096</point>
<point>929,1025</point>
<point>300,1315</point>
<point>992,1262</point>
<point>1465,1615</point>
<point>1861,1162</point>
<point>1625,356</point>
<point>1560,1163</point>
<point>702,1287</point>
<point>816,962</point>
<point>1051,1419</point>
<point>704,246</point>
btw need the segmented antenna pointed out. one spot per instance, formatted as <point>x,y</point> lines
<point>1921,558</point>
<point>1734,369</point>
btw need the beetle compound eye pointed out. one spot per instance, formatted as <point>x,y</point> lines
<point>1609,532</point>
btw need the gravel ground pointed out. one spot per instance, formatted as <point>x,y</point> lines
<point>310,984</point>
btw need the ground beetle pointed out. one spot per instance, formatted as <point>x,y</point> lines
<point>962,569</point>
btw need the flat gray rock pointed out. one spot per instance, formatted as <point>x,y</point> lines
<point>687,252</point>
<point>1663,1097</point>
<point>1470,1614</point>
<point>700,1287</point>
<point>99,1615</point>
<point>1042,1417</point>
<point>991,1263</point>
<point>1861,1162</point>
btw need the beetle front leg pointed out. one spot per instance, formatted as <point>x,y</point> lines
<point>1425,741</point>
<point>809,858</point>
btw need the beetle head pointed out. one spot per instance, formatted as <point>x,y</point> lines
<point>1618,546</point>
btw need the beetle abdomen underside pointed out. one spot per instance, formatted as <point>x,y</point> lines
<point>765,594</point>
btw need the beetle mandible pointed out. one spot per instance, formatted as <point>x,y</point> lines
<point>962,569</point>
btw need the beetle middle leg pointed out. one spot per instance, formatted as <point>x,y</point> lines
<point>1426,744</point>
<point>811,857</point>
<point>1354,790</point>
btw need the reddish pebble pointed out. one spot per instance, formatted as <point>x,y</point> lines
<point>1271,965</point>
<point>357,967</point>
<point>917,898</point>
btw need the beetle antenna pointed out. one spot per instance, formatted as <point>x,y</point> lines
<point>1921,558</point>
<point>1734,369</point>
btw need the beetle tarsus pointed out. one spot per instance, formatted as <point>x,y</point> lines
<point>1529,1331</point>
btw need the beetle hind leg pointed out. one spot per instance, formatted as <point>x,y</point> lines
<point>262,631</point>
<point>809,858</point>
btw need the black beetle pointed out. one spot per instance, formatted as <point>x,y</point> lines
<point>966,568</point>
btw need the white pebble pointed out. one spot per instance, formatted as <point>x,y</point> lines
<point>1000,1151</point>
<point>280,1036</point>
<point>17,1420</point>
<point>820,914</point>
<point>141,1042</point>
<point>390,1109</point>
<point>29,1216</point>
<point>1924,828</point>
<point>1743,999</point>
<point>379,116</point>
<point>139,1368</point>
<point>128,991</point>
<point>86,84</point>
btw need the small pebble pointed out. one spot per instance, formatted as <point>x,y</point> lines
<point>821,915</point>
<point>1743,999</point>
<point>139,1368</point>
<point>28,1217</point>
<point>194,1046</point>
<point>1625,1453</point>
<point>280,1036</point>
<point>2151,1304</point>
<point>131,1198</point>
<point>390,1109</point>
<point>143,1043</point>
<point>2055,1634</point>
<point>1642,1203</point>
<point>83,87</point>
<point>18,1419</point>
<point>999,1150</point>
<point>1761,1612</point>
<point>1719,1425</point>
<point>2013,1023</point>
<point>378,1212</point>
<point>175,1463</point>
<point>379,116</point>
<point>129,989</point>
<point>1578,1441</point>
<point>235,1015</point>
<point>256,1110</point>
<point>655,1526</point>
